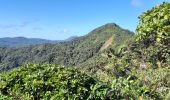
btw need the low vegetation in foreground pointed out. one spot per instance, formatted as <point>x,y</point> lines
<point>35,81</point>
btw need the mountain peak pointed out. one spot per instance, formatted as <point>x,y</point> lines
<point>111,25</point>
<point>109,28</point>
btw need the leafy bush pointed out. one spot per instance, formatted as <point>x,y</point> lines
<point>121,89</point>
<point>45,81</point>
<point>154,34</point>
<point>156,80</point>
<point>35,81</point>
<point>154,25</point>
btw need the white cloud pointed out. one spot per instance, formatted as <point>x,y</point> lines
<point>136,3</point>
<point>65,30</point>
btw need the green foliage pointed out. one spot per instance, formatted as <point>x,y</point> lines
<point>154,25</point>
<point>156,80</point>
<point>168,96</point>
<point>154,35</point>
<point>121,89</point>
<point>35,81</point>
<point>45,81</point>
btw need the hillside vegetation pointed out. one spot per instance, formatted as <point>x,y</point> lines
<point>132,67</point>
<point>70,53</point>
<point>59,83</point>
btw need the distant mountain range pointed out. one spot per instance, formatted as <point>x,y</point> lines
<point>75,51</point>
<point>23,41</point>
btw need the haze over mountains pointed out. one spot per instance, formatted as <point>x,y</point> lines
<point>23,41</point>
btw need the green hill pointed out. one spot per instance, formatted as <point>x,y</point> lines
<point>72,53</point>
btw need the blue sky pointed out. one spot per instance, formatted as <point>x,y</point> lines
<point>60,19</point>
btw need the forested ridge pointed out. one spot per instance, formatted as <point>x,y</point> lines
<point>132,67</point>
<point>71,53</point>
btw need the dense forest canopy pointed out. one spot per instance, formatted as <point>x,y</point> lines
<point>71,53</point>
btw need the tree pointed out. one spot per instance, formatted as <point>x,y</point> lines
<point>154,34</point>
<point>154,25</point>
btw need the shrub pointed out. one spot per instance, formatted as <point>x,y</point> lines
<point>36,81</point>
